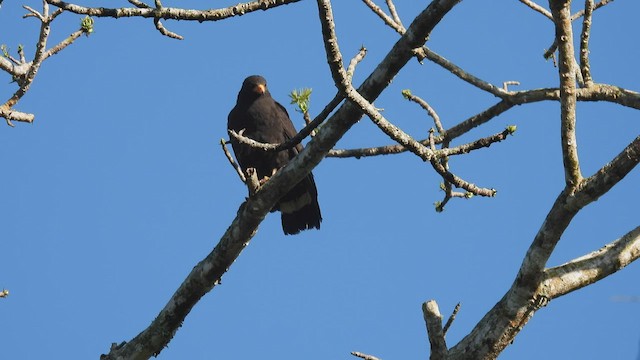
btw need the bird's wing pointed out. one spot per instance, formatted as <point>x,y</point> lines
<point>288,128</point>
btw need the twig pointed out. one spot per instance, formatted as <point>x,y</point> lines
<point>233,163</point>
<point>363,356</point>
<point>139,4</point>
<point>584,43</point>
<point>477,144</point>
<point>397,26</point>
<point>505,84</point>
<point>351,69</point>
<point>164,31</point>
<point>394,12</point>
<point>538,8</point>
<point>549,53</point>
<point>459,182</point>
<point>423,104</point>
<point>597,6</point>
<point>451,318</point>
<point>426,53</point>
<point>25,73</point>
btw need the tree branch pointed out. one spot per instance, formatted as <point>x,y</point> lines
<point>586,270</point>
<point>25,73</point>
<point>537,8</point>
<point>173,13</point>
<point>502,323</point>
<point>433,320</point>
<point>584,43</point>
<point>561,11</point>
<point>208,272</point>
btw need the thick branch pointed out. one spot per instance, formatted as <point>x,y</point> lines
<point>433,320</point>
<point>502,323</point>
<point>592,267</point>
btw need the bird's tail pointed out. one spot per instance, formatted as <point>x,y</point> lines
<point>300,209</point>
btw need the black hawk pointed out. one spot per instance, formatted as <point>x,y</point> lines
<point>266,121</point>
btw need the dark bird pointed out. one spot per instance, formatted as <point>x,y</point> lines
<point>262,119</point>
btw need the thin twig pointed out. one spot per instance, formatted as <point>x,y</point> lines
<point>426,53</point>
<point>386,18</point>
<point>233,163</point>
<point>585,68</point>
<point>351,69</point>
<point>451,318</point>
<point>394,12</point>
<point>363,356</point>
<point>423,104</point>
<point>597,6</point>
<point>538,8</point>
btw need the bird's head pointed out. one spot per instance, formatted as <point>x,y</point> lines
<point>252,88</point>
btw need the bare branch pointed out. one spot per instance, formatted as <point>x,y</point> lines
<point>477,144</point>
<point>550,52</point>
<point>142,10</point>
<point>351,69</point>
<point>25,73</point>
<point>503,322</point>
<point>139,4</point>
<point>561,11</point>
<point>592,267</point>
<point>363,356</point>
<point>451,319</point>
<point>64,43</point>
<point>394,12</point>
<point>452,133</point>
<point>538,8</point>
<point>166,32</point>
<point>458,182</point>
<point>233,163</point>
<point>395,25</point>
<point>433,320</point>
<point>584,43</point>
<point>426,53</point>
<point>597,6</point>
<point>423,104</point>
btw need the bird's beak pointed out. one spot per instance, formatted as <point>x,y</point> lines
<point>260,89</point>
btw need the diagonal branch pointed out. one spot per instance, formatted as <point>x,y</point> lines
<point>502,323</point>
<point>537,8</point>
<point>586,270</point>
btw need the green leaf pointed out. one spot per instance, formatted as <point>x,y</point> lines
<point>301,98</point>
<point>87,25</point>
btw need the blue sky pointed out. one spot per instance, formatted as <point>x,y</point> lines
<point>119,188</point>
